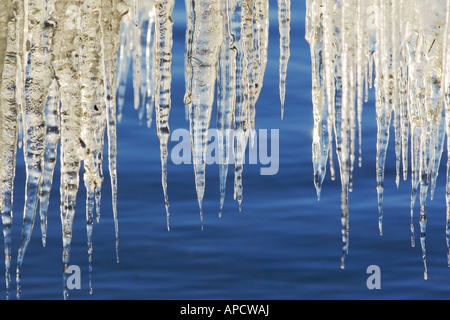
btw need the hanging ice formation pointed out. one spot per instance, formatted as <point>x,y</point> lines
<point>64,62</point>
<point>226,56</point>
<point>402,48</point>
<point>57,71</point>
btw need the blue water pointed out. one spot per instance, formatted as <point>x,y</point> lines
<point>283,245</point>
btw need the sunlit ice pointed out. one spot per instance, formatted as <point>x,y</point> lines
<point>64,66</point>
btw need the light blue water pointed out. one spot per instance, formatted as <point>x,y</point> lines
<point>283,245</point>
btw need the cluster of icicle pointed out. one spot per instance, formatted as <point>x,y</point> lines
<point>57,68</point>
<point>62,63</point>
<point>402,48</point>
<point>226,57</point>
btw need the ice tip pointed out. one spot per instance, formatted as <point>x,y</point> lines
<point>201,213</point>
<point>167,223</point>
<point>117,252</point>
<point>318,191</point>
<point>201,220</point>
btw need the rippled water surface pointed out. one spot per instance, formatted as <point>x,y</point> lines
<point>283,245</point>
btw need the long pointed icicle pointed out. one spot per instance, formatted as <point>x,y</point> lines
<point>67,70</point>
<point>321,137</point>
<point>204,56</point>
<point>52,116</point>
<point>163,60</point>
<point>110,19</point>
<point>93,106</point>
<point>394,87</point>
<point>284,20</point>
<point>383,105</point>
<point>226,99</point>
<point>403,96</point>
<point>361,62</point>
<point>433,41</point>
<point>329,56</point>
<point>241,28</point>
<point>52,136</point>
<point>9,125</point>
<point>37,82</point>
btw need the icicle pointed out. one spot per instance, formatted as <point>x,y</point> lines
<point>394,86</point>
<point>240,29</point>
<point>9,109</point>
<point>260,47</point>
<point>206,42</point>
<point>93,105</point>
<point>403,96</point>
<point>432,108</point>
<point>321,136</point>
<point>124,62</point>
<point>52,117</point>
<point>37,82</point>
<point>66,65</point>
<point>187,67</point>
<point>163,60</point>
<point>226,98</point>
<point>347,116</point>
<point>329,55</point>
<point>383,105</point>
<point>361,62</point>
<point>110,44</point>
<point>284,20</point>
<point>150,65</point>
